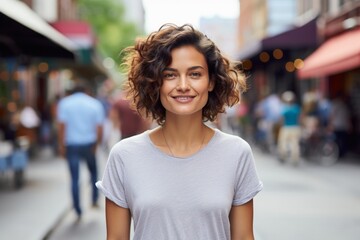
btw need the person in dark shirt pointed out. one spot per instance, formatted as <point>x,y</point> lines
<point>129,121</point>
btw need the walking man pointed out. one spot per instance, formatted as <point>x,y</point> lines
<point>80,118</point>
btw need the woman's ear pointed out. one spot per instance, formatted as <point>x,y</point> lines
<point>211,85</point>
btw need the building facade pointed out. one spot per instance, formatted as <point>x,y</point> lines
<point>333,69</point>
<point>273,43</point>
<point>221,31</point>
<point>264,18</point>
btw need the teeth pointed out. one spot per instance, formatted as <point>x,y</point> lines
<point>182,98</point>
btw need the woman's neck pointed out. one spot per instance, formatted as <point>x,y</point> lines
<point>184,130</point>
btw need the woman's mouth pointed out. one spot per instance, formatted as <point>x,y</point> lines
<point>183,99</point>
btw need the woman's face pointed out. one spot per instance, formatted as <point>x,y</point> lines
<point>185,82</point>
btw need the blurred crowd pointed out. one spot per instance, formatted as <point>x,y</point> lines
<point>262,123</point>
<point>40,128</point>
<point>258,122</point>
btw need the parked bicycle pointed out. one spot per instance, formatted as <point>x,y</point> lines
<point>320,147</point>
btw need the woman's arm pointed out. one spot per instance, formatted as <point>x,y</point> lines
<point>118,221</point>
<point>241,222</point>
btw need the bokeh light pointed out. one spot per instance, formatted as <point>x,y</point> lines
<point>278,54</point>
<point>264,57</point>
<point>43,67</point>
<point>289,66</point>
<point>247,64</point>
<point>298,63</point>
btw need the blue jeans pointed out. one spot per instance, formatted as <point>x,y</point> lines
<point>74,154</point>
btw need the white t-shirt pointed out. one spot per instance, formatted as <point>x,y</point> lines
<point>180,198</point>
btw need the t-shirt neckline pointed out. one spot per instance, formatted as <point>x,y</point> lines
<point>207,146</point>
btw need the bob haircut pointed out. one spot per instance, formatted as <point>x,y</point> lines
<point>147,59</point>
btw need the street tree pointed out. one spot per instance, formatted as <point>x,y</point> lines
<point>113,32</point>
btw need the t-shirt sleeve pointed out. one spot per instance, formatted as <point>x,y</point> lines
<point>112,183</point>
<point>247,183</point>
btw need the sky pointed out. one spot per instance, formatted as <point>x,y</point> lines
<point>158,12</point>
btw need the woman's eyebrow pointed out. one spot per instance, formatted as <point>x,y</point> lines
<point>196,67</point>
<point>189,69</point>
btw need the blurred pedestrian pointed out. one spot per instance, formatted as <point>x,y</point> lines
<point>28,128</point>
<point>129,120</point>
<point>80,118</point>
<point>324,111</point>
<point>290,133</point>
<point>340,122</point>
<point>310,112</point>
<point>269,112</point>
<point>243,113</point>
<point>182,179</point>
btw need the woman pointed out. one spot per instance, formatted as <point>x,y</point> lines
<point>183,179</point>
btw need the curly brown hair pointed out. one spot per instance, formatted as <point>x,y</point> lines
<point>147,59</point>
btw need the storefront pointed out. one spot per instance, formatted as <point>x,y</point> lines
<point>30,49</point>
<point>335,58</point>
<point>89,65</point>
<point>32,52</point>
<point>271,63</point>
<point>335,65</point>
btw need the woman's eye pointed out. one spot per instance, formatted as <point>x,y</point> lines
<point>169,76</point>
<point>195,74</point>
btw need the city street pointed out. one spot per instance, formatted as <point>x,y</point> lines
<point>291,75</point>
<point>306,202</point>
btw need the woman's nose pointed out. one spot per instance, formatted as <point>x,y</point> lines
<point>183,84</point>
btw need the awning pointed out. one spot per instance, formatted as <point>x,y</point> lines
<point>300,37</point>
<point>77,31</point>
<point>338,54</point>
<point>93,71</point>
<point>23,32</point>
<point>89,64</point>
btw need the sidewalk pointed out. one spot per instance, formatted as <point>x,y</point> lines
<point>30,212</point>
<point>92,224</point>
<point>90,227</point>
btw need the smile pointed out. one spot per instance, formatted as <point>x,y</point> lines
<point>184,99</point>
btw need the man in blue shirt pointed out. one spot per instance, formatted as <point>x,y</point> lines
<point>289,135</point>
<point>81,119</point>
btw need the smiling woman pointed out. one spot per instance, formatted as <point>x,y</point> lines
<point>182,174</point>
<point>186,83</point>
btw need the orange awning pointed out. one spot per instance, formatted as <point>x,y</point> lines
<point>338,54</point>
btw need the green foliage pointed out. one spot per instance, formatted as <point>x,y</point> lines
<point>113,33</point>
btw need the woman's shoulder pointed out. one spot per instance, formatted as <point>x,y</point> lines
<point>231,140</point>
<point>224,136</point>
<point>135,143</point>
